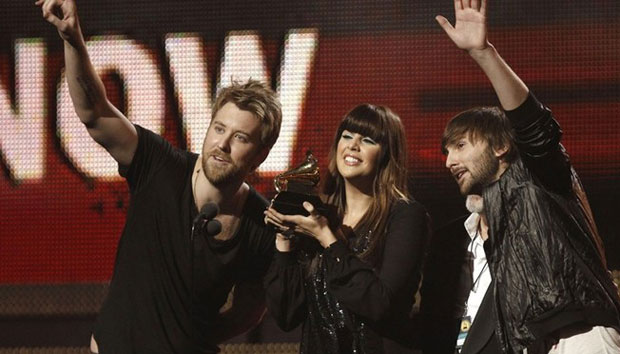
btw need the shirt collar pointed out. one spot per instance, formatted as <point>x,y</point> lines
<point>471,226</point>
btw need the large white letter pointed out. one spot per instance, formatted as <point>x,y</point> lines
<point>145,98</point>
<point>244,59</point>
<point>299,50</point>
<point>21,129</point>
<point>188,67</point>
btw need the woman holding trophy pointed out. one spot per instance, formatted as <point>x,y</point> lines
<point>352,282</point>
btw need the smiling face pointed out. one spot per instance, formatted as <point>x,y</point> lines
<point>472,164</point>
<point>357,157</point>
<point>232,147</point>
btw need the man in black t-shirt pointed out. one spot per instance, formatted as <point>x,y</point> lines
<point>169,280</point>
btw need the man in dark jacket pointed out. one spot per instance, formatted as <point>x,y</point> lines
<point>550,289</point>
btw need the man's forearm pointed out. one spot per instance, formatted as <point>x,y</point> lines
<point>85,87</point>
<point>117,135</point>
<point>510,89</point>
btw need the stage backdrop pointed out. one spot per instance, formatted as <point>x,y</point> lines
<point>62,204</point>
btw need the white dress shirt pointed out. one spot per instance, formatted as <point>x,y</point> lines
<point>481,276</point>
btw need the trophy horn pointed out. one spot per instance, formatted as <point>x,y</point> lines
<point>306,175</point>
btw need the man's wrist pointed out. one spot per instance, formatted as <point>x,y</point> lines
<point>482,54</point>
<point>77,44</point>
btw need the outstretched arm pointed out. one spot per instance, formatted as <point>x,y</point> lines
<point>470,34</point>
<point>104,122</point>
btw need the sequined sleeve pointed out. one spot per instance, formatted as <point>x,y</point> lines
<point>389,290</point>
<point>285,296</point>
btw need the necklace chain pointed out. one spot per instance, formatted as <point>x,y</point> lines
<point>474,286</point>
<point>195,186</point>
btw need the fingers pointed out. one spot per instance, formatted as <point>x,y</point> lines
<point>49,8</point>
<point>285,223</point>
<point>285,219</point>
<point>483,7</point>
<point>444,23</point>
<point>477,5</point>
<point>281,237</point>
<point>272,217</point>
<point>283,243</point>
<point>298,223</point>
<point>284,238</point>
<point>310,209</point>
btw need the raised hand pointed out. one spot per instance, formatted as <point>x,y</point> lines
<point>470,30</point>
<point>63,15</point>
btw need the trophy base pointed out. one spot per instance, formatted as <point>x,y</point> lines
<point>290,203</point>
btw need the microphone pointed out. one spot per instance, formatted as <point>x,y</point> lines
<point>206,215</point>
<point>207,212</point>
<point>213,227</point>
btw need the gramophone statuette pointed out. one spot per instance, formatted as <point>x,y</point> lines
<point>298,185</point>
<point>303,178</point>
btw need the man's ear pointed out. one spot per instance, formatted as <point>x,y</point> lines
<point>501,152</point>
<point>260,157</point>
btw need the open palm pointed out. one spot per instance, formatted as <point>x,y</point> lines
<point>470,29</point>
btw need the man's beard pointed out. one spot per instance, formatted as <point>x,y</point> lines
<point>220,176</point>
<point>483,174</point>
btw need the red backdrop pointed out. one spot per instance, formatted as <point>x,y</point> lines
<point>64,227</point>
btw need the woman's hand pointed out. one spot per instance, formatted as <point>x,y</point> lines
<point>314,225</point>
<point>283,243</point>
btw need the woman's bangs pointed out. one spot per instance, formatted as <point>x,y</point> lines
<point>367,123</point>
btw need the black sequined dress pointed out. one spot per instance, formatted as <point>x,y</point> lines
<point>330,327</point>
<point>346,305</point>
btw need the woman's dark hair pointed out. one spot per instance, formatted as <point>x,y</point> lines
<point>390,183</point>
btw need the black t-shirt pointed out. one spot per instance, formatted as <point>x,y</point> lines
<point>166,291</point>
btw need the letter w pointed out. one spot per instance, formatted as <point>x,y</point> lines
<point>243,58</point>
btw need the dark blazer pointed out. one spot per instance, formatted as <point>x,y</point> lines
<point>445,288</point>
<point>481,338</point>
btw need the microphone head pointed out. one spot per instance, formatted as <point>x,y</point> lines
<point>209,210</point>
<point>213,227</point>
